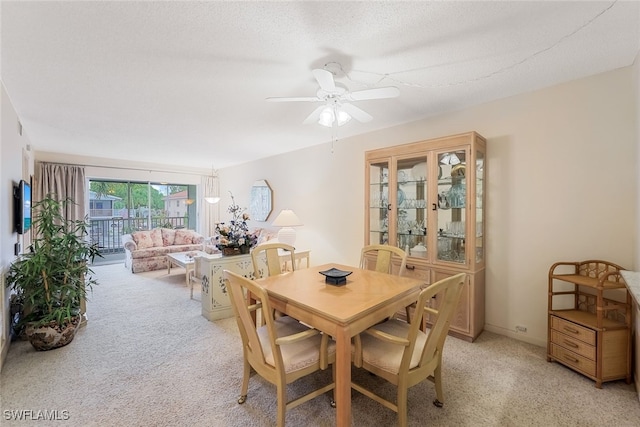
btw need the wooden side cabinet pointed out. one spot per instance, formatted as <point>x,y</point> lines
<point>589,326</point>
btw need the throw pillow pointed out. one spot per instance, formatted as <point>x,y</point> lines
<point>156,238</point>
<point>183,237</point>
<point>142,239</point>
<point>168,236</point>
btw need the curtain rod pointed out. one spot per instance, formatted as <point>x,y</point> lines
<point>120,168</point>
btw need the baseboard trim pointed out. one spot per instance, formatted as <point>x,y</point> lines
<point>515,335</point>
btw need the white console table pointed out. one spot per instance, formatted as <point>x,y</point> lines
<point>208,270</point>
<point>214,297</point>
<point>299,255</point>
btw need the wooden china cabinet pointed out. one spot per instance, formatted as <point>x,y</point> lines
<point>427,198</point>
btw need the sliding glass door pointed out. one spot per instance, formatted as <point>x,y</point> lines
<point>122,207</point>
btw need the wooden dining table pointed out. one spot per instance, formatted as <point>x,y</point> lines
<point>341,311</point>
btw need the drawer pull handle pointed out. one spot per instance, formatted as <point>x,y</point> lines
<point>573,331</point>
<point>410,267</point>
<point>571,359</point>
<point>571,344</point>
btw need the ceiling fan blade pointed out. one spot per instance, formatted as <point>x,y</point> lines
<point>299,98</point>
<point>325,79</point>
<point>313,117</point>
<point>356,113</point>
<point>377,93</point>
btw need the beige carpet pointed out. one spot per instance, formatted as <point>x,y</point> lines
<point>148,358</point>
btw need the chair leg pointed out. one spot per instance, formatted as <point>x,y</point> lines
<point>402,405</point>
<point>282,404</point>
<point>245,382</point>
<point>333,392</point>
<point>437,381</point>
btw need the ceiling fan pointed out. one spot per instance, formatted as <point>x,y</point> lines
<point>336,98</point>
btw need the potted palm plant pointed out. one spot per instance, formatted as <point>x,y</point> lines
<point>52,279</point>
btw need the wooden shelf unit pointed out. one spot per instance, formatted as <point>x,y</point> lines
<point>588,331</point>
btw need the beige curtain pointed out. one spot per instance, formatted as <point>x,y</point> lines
<point>211,211</point>
<point>66,182</point>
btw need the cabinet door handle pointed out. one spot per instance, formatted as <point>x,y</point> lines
<point>410,267</point>
<point>435,207</point>
<point>389,207</point>
<point>570,344</point>
<point>573,331</point>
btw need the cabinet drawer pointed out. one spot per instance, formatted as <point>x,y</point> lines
<point>573,330</point>
<point>574,360</point>
<point>570,343</point>
<point>418,273</point>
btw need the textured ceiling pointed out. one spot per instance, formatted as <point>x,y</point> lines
<point>185,83</point>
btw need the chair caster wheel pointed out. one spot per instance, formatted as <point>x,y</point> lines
<point>242,399</point>
<point>437,403</point>
<point>332,403</point>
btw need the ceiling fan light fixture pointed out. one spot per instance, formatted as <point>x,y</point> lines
<point>328,117</point>
<point>343,117</point>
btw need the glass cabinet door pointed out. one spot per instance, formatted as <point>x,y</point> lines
<point>379,203</point>
<point>451,206</point>
<point>411,206</point>
<point>479,207</point>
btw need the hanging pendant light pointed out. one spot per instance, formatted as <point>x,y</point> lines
<point>211,198</point>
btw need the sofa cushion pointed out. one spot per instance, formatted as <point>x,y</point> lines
<point>143,239</point>
<point>183,237</point>
<point>168,236</point>
<point>156,237</point>
<point>185,248</point>
<point>163,251</point>
<point>151,252</point>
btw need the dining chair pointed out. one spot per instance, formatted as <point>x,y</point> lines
<point>383,256</point>
<point>281,351</point>
<point>270,265</point>
<point>404,355</point>
<point>266,262</point>
<point>383,262</point>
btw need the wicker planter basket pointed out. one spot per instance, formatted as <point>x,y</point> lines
<point>229,251</point>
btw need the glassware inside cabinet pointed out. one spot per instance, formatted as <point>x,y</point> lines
<point>379,203</point>
<point>451,204</point>
<point>479,206</point>
<point>411,208</point>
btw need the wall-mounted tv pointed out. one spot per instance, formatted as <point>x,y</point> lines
<point>22,206</point>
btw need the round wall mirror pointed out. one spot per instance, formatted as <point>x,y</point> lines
<point>261,201</point>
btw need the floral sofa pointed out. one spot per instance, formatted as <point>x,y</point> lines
<point>147,250</point>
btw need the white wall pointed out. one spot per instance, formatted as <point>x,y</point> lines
<point>636,91</point>
<point>636,325</point>
<point>13,151</point>
<point>561,170</point>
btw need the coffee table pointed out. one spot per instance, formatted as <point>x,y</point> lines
<point>185,260</point>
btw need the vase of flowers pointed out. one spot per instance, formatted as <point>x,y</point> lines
<point>234,238</point>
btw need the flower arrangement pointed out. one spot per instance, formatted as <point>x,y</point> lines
<point>235,236</point>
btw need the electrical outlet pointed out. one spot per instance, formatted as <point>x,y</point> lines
<point>521,329</point>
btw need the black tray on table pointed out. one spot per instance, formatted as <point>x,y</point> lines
<point>334,276</point>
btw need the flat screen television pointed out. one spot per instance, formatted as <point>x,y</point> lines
<point>22,206</point>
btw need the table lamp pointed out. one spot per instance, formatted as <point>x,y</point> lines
<point>287,219</point>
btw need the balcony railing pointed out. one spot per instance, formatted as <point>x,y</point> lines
<point>107,233</point>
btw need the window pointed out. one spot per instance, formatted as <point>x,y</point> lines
<point>122,207</point>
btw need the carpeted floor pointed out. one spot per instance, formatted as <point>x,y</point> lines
<point>148,358</point>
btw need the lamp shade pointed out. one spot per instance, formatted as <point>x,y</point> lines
<point>287,219</point>
<point>212,199</point>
